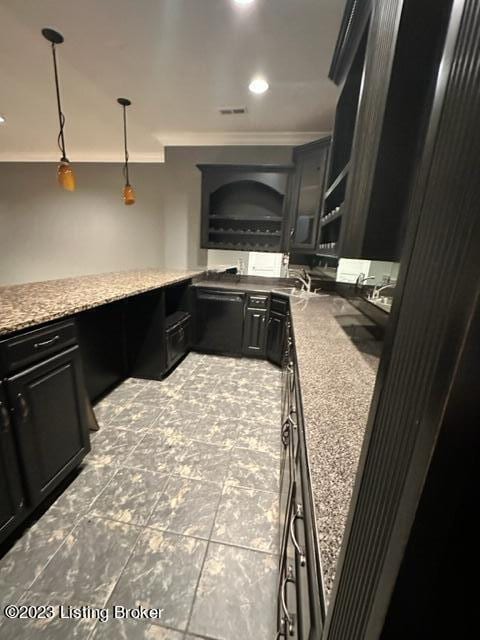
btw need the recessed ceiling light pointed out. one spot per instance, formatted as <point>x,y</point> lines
<point>243,1</point>
<point>258,85</point>
<point>2,119</point>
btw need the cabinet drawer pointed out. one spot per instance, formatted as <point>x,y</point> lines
<point>279,304</point>
<point>30,347</point>
<point>257,301</point>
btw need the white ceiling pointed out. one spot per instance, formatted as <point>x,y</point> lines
<point>177,60</point>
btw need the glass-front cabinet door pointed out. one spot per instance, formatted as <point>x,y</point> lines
<point>307,198</point>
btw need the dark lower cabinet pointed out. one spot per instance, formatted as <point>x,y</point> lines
<point>12,503</point>
<point>219,321</point>
<point>177,337</point>
<point>255,333</point>
<point>49,420</point>
<point>300,604</point>
<point>276,337</point>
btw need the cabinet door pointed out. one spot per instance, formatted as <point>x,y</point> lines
<point>178,342</point>
<point>219,321</point>
<point>49,418</point>
<point>11,495</point>
<point>276,337</point>
<point>311,163</point>
<point>255,333</point>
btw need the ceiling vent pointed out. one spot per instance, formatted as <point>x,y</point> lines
<point>232,111</point>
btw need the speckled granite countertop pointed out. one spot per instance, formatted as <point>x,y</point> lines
<point>337,362</point>
<point>26,305</point>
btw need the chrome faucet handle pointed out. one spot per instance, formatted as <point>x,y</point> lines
<point>362,279</point>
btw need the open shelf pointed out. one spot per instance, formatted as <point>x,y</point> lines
<point>338,180</point>
<point>245,246</point>
<point>329,251</point>
<point>248,218</point>
<point>244,207</point>
<point>243,232</point>
<point>340,156</point>
<point>331,217</point>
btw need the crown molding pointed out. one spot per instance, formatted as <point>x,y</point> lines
<point>179,139</point>
<point>237,138</point>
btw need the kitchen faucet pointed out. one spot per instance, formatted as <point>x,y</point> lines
<point>361,279</point>
<point>376,291</point>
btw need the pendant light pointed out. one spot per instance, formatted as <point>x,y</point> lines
<point>66,177</point>
<point>128,190</point>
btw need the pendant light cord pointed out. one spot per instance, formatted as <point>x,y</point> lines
<point>61,116</point>
<point>125,167</point>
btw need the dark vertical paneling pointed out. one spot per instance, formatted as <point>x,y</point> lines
<point>431,317</point>
<point>355,18</point>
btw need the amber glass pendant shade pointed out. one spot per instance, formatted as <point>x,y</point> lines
<point>128,191</point>
<point>66,177</point>
<point>128,194</point>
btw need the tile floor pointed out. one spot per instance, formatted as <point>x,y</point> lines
<point>175,508</point>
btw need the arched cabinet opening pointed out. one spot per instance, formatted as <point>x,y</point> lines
<point>244,206</point>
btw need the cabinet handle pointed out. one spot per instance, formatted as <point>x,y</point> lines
<point>286,432</point>
<point>4,417</point>
<point>45,343</point>
<point>288,618</point>
<point>297,515</point>
<point>24,410</point>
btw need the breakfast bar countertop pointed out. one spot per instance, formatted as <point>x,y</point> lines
<point>30,304</point>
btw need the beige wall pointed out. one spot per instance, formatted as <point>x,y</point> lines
<point>48,233</point>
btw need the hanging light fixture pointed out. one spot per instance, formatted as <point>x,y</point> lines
<point>128,190</point>
<point>66,177</point>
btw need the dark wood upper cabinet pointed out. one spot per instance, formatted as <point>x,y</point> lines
<point>307,194</point>
<point>244,207</point>
<point>387,60</point>
<point>341,150</point>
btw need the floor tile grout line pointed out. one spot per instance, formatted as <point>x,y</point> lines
<point>230,483</point>
<point>30,584</point>
<point>119,576</point>
<point>243,547</point>
<point>96,515</point>
<point>208,546</point>
<point>134,545</point>
<point>74,526</point>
